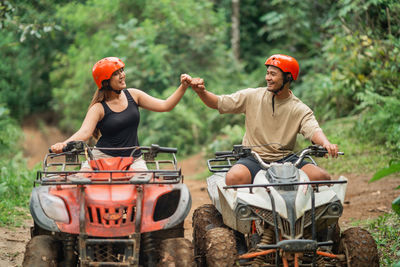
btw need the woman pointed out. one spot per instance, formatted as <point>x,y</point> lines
<point>115,116</point>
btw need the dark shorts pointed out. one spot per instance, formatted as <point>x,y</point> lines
<point>254,167</point>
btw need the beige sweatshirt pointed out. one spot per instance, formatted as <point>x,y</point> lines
<point>270,132</point>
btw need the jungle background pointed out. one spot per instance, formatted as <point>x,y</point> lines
<point>348,51</point>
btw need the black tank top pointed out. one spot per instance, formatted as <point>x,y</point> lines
<point>119,129</point>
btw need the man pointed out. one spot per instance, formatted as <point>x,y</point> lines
<point>274,117</point>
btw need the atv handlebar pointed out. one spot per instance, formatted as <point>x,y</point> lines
<point>80,146</point>
<point>314,150</point>
<point>240,151</point>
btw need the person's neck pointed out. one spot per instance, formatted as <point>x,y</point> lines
<point>285,93</point>
<point>113,96</point>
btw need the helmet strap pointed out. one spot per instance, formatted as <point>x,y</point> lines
<point>275,92</point>
<point>115,91</point>
<point>106,86</point>
<point>285,81</point>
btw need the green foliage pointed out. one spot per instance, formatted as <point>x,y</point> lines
<point>358,70</point>
<point>360,156</point>
<point>157,45</point>
<point>380,120</point>
<point>29,40</point>
<point>385,231</point>
<point>396,205</point>
<point>10,133</point>
<point>15,186</point>
<point>394,166</point>
<point>230,135</point>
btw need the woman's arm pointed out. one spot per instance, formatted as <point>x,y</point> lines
<point>94,115</point>
<point>154,104</point>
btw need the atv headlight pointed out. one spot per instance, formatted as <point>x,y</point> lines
<point>54,207</point>
<point>335,209</point>
<point>244,212</point>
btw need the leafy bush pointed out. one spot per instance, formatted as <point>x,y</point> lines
<point>358,70</point>
<point>15,186</point>
<point>15,180</point>
<point>385,231</point>
<point>9,135</point>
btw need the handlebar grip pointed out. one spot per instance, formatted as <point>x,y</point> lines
<point>63,150</point>
<point>164,149</point>
<point>223,153</point>
<point>168,149</point>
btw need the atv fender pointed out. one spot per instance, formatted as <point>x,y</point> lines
<point>340,189</point>
<point>225,201</point>
<point>183,209</point>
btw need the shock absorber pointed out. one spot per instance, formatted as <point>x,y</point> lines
<point>69,247</point>
<point>266,239</point>
<point>149,249</point>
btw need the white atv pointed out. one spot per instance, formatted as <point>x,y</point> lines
<point>282,219</point>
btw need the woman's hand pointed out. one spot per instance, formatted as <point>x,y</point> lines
<point>58,147</point>
<point>186,80</point>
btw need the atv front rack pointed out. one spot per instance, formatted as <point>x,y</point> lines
<point>65,168</point>
<point>132,177</point>
<point>314,183</point>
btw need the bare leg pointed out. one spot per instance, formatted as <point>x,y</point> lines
<point>238,174</point>
<point>315,173</point>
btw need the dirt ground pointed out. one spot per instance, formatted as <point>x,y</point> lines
<point>363,200</point>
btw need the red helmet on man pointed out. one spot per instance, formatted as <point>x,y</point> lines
<point>104,68</point>
<point>287,64</point>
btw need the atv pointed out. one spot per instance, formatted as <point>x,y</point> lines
<point>109,214</point>
<point>282,219</point>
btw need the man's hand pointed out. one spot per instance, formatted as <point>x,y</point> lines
<point>333,149</point>
<point>197,85</point>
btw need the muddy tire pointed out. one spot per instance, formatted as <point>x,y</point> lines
<point>359,247</point>
<point>221,247</point>
<point>204,218</point>
<point>176,252</point>
<point>41,251</point>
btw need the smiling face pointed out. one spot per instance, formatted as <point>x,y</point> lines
<point>117,80</point>
<point>274,78</point>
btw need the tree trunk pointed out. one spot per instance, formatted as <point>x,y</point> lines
<point>235,40</point>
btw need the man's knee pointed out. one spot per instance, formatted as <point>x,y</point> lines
<point>325,175</point>
<point>238,174</point>
<point>315,173</point>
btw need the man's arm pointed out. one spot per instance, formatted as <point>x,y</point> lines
<point>319,138</point>
<point>210,99</point>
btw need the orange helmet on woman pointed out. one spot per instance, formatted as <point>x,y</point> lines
<point>287,64</point>
<point>104,68</point>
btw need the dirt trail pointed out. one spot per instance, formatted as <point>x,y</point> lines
<point>363,200</point>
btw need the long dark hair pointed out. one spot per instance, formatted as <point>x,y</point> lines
<point>99,96</point>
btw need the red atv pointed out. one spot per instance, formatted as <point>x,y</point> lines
<point>110,215</point>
